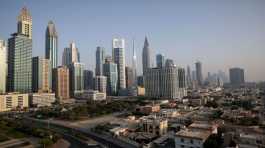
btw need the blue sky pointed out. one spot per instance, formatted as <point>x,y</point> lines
<point>221,34</point>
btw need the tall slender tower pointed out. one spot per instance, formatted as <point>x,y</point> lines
<point>100,59</point>
<point>20,55</point>
<point>3,65</point>
<point>134,66</point>
<point>119,58</point>
<point>199,76</point>
<point>146,56</point>
<point>51,44</point>
<point>189,80</point>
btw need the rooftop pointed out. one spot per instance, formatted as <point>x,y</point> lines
<point>194,134</point>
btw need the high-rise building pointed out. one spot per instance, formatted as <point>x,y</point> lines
<point>129,77</point>
<point>60,83</point>
<point>51,44</point>
<point>237,77</point>
<point>101,83</point>
<point>165,82</point>
<point>199,76</point>
<point>169,63</point>
<point>160,60</point>
<point>111,72</point>
<point>41,75</point>
<point>118,52</point>
<point>24,24</point>
<point>146,56</point>
<point>76,72</point>
<point>134,67</point>
<point>100,59</point>
<point>3,65</point>
<point>188,77</point>
<point>182,82</point>
<point>88,80</point>
<point>20,55</point>
<point>70,55</point>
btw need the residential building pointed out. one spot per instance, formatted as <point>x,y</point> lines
<point>51,44</point>
<point>101,83</point>
<point>100,59</point>
<point>160,60</point>
<point>41,75</point>
<point>76,73</point>
<point>13,101</point>
<point>42,99</point>
<point>111,72</point>
<point>20,55</point>
<point>70,55</point>
<point>118,52</point>
<point>237,76</point>
<point>88,80</point>
<point>3,65</point>
<point>199,76</point>
<point>60,83</point>
<point>146,56</point>
<point>191,138</point>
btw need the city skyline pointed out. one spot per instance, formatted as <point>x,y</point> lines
<point>217,49</point>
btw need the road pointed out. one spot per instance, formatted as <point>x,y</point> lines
<point>106,140</point>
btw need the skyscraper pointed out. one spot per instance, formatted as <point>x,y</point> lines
<point>134,67</point>
<point>182,82</point>
<point>160,60</point>
<point>188,77</point>
<point>76,73</point>
<point>129,77</point>
<point>118,52</point>
<point>3,65</point>
<point>24,25</point>
<point>70,55</point>
<point>41,75</point>
<point>237,77</point>
<point>100,59</point>
<point>169,63</point>
<point>88,80</point>
<point>20,55</point>
<point>111,72</point>
<point>51,44</point>
<point>146,56</point>
<point>199,76</point>
<point>60,83</point>
<point>101,83</point>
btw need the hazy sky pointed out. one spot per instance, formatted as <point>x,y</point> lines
<point>219,33</point>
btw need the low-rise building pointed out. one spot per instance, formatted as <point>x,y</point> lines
<point>148,109</point>
<point>42,99</point>
<point>191,138</point>
<point>94,95</point>
<point>13,101</point>
<point>154,125</point>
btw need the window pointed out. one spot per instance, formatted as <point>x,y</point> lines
<point>191,141</point>
<point>182,140</point>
